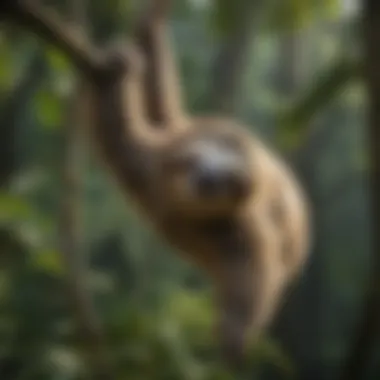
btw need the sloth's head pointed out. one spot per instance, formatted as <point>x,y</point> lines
<point>208,173</point>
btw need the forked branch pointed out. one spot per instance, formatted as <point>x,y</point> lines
<point>47,25</point>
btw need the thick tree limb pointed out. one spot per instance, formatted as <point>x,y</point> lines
<point>331,82</point>
<point>48,26</point>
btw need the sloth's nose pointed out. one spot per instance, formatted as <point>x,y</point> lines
<point>210,182</point>
<point>230,183</point>
<point>217,182</point>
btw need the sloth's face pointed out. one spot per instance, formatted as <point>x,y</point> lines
<point>209,175</point>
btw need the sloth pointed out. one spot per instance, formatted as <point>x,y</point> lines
<point>208,185</point>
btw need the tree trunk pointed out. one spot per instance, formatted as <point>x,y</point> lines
<point>367,332</point>
<point>298,326</point>
<point>290,63</point>
<point>228,69</point>
<point>90,332</point>
<point>10,110</point>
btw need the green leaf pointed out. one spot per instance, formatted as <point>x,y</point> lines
<point>57,60</point>
<point>6,67</point>
<point>226,16</point>
<point>49,261</point>
<point>297,14</point>
<point>190,308</point>
<point>49,109</point>
<point>269,350</point>
<point>14,207</point>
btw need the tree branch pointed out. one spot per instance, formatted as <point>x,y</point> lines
<point>332,81</point>
<point>47,25</point>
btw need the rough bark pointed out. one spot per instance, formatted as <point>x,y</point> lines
<point>10,110</point>
<point>89,328</point>
<point>228,69</point>
<point>368,328</point>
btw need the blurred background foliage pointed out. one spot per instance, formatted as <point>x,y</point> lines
<point>289,68</point>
